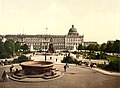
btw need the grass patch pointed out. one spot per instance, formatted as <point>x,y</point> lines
<point>113,58</point>
<point>114,64</point>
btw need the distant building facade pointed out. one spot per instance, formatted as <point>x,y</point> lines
<point>111,41</point>
<point>1,37</point>
<point>90,42</point>
<point>69,41</point>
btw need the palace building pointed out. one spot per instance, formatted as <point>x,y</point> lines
<point>60,42</point>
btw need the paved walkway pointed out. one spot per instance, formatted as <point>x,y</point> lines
<point>106,72</point>
<point>59,58</point>
<point>75,77</point>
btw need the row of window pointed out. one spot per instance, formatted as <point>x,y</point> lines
<point>54,39</point>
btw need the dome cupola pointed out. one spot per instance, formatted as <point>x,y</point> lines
<point>72,31</point>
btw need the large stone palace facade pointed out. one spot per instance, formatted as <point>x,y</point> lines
<point>69,41</point>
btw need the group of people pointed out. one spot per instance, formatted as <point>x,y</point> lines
<point>2,63</point>
<point>51,59</point>
<point>5,75</point>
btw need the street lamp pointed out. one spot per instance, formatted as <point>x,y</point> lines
<point>45,45</point>
<point>45,48</point>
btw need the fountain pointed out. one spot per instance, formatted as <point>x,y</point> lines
<point>36,67</point>
<point>37,70</point>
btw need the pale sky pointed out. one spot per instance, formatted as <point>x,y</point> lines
<point>98,20</point>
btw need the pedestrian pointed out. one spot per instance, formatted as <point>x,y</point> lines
<point>50,58</point>
<point>91,65</point>
<point>11,69</point>
<point>17,71</point>
<point>65,68</point>
<point>33,53</point>
<point>56,59</point>
<point>67,65</point>
<point>104,62</point>
<point>2,63</point>
<point>4,76</point>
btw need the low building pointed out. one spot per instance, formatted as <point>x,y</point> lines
<point>1,37</point>
<point>111,41</point>
<point>90,42</point>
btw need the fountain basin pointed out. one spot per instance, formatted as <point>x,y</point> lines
<point>36,67</point>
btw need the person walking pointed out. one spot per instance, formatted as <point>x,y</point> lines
<point>4,76</point>
<point>67,65</point>
<point>11,69</point>
<point>56,59</point>
<point>50,58</point>
<point>65,68</point>
<point>91,65</point>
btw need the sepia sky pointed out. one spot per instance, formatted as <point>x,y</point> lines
<point>98,20</point>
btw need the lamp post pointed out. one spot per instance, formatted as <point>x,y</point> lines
<point>45,48</point>
<point>45,44</point>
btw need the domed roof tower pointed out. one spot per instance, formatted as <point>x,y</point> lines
<point>73,31</point>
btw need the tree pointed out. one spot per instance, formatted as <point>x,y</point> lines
<point>24,47</point>
<point>2,49</point>
<point>103,47</point>
<point>96,47</point>
<point>80,47</point>
<point>9,47</point>
<point>116,46</point>
<point>109,47</point>
<point>90,47</point>
<point>17,46</point>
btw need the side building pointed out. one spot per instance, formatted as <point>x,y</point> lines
<point>1,37</point>
<point>60,42</point>
<point>87,43</point>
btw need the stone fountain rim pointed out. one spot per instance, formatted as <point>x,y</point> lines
<point>31,64</point>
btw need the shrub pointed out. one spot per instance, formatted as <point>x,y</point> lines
<point>103,56</point>
<point>21,58</point>
<point>75,52</point>
<point>97,56</point>
<point>103,66</point>
<point>114,66</point>
<point>26,52</point>
<point>69,59</point>
<point>4,55</point>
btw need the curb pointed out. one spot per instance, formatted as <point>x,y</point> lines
<point>106,72</point>
<point>8,65</point>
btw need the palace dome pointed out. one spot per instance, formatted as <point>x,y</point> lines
<point>72,29</point>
